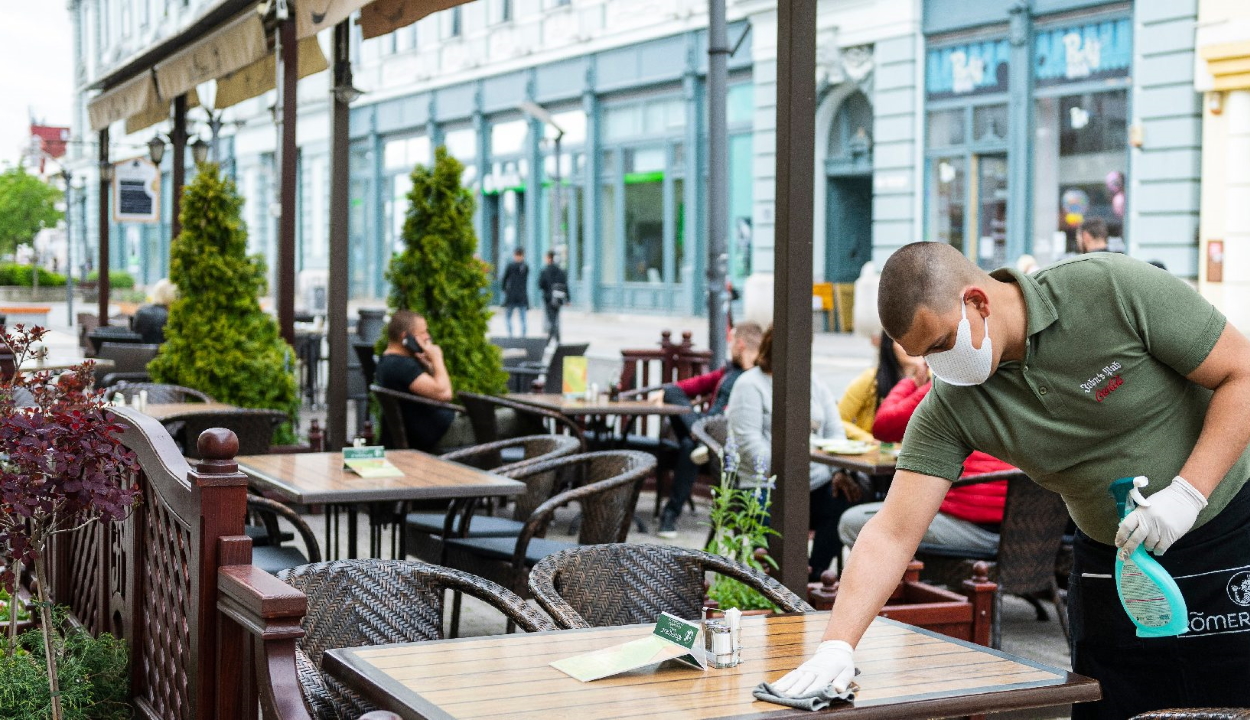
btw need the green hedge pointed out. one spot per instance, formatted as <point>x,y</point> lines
<point>21,276</point>
<point>118,279</point>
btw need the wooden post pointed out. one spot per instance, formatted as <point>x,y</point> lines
<point>178,175</point>
<point>102,267</point>
<point>288,76</point>
<point>340,190</point>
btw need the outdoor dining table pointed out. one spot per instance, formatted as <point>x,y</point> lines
<point>906,672</point>
<point>581,407</point>
<point>166,412</point>
<point>322,479</point>
<point>879,466</point>
<point>60,363</point>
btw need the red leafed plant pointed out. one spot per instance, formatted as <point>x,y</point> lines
<point>62,467</point>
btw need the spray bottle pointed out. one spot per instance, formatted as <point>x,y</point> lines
<point>1148,593</point>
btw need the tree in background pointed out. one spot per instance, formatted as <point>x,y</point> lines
<point>217,338</point>
<point>27,205</point>
<point>438,276</point>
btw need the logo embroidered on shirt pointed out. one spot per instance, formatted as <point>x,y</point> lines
<point>1112,386</point>
<point>1099,377</point>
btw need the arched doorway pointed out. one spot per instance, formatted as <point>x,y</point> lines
<point>848,216</point>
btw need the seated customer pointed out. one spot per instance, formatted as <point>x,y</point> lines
<point>149,320</point>
<point>412,363</point>
<point>750,415</point>
<point>744,346</point>
<point>865,394</point>
<point>970,516</point>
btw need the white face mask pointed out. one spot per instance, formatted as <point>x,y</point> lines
<point>964,364</point>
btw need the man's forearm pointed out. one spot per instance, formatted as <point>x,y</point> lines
<point>1224,437</point>
<point>876,565</point>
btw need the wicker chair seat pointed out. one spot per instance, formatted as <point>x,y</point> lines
<point>481,526</point>
<point>1196,714</point>
<point>502,548</point>
<point>273,559</point>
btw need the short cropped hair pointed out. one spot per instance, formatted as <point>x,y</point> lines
<point>401,324</point>
<point>765,361</point>
<point>928,274</point>
<point>1096,227</point>
<point>750,333</point>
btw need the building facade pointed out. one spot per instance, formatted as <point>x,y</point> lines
<point>1223,79</point>
<point>996,126</point>
<point>1039,115</point>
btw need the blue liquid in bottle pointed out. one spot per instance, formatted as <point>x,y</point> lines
<point>1148,593</point>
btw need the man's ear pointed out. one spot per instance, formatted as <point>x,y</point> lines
<point>979,298</point>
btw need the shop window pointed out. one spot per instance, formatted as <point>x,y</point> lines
<point>989,124</point>
<point>851,133</point>
<point>644,160</point>
<point>508,138</point>
<point>740,103</point>
<point>946,202</point>
<point>679,232</point>
<point>991,210</point>
<point>946,128</point>
<point>1080,166</point>
<point>622,122</point>
<point>608,231</point>
<point>462,144</point>
<point>644,229</point>
<point>406,153</point>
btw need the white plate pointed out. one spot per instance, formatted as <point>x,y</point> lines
<point>846,447</point>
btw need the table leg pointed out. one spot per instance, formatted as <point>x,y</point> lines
<point>328,511</point>
<point>351,532</point>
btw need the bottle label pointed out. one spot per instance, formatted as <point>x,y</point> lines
<point>1143,598</point>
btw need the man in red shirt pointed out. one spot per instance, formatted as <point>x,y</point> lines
<point>744,348</point>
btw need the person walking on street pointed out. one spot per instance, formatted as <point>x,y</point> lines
<point>516,290</point>
<point>553,281</point>
<point>1096,368</point>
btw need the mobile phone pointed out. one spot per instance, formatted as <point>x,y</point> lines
<point>411,344</point>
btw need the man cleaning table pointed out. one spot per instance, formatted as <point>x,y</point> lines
<point>1096,368</point>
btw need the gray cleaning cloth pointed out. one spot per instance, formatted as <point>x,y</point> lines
<point>816,701</point>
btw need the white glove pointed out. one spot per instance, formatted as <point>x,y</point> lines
<point>833,663</point>
<point>1161,520</point>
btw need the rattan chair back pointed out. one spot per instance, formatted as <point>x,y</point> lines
<point>622,584</point>
<point>253,427</point>
<point>158,393</point>
<point>714,433</point>
<point>370,602</point>
<point>1196,714</point>
<point>394,432</point>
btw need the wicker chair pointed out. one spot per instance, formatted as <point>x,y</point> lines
<point>606,488</point>
<point>1196,714</point>
<point>714,433</point>
<point>424,530</point>
<point>371,602</point>
<point>253,427</point>
<point>1034,520</point>
<point>622,584</point>
<point>533,419</point>
<point>393,428</point>
<point>158,393</point>
<point>272,555</point>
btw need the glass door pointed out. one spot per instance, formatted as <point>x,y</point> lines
<point>991,209</point>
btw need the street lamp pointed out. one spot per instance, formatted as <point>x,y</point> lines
<point>106,170</point>
<point>68,177</point>
<point>156,149</point>
<point>199,151</point>
<point>541,114</point>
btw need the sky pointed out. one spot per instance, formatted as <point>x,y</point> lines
<point>36,52</point>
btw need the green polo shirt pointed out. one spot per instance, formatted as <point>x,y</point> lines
<point>1101,393</point>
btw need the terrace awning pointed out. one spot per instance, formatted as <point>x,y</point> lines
<point>261,76</point>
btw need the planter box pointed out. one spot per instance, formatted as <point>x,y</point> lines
<point>28,315</point>
<point>966,615</point>
<point>17,293</point>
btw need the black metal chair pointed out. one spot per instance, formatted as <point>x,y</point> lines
<point>271,555</point>
<point>550,379</point>
<point>394,431</point>
<point>605,487</point>
<point>130,362</point>
<point>112,334</point>
<point>625,583</point>
<point>372,602</point>
<point>158,393</point>
<point>1030,536</point>
<point>424,531</point>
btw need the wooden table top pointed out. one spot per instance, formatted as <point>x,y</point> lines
<point>168,411</point>
<point>58,363</point>
<point>906,672</point>
<point>321,478</point>
<point>579,407</point>
<point>873,462</point>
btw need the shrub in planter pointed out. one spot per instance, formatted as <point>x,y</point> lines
<point>217,339</point>
<point>23,276</point>
<point>118,279</point>
<point>63,468</point>
<point>437,276</point>
<point>739,528</point>
<point>94,674</point>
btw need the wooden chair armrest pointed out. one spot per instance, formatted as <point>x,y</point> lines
<point>269,611</point>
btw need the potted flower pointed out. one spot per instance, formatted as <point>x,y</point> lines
<point>739,532</point>
<point>62,467</point>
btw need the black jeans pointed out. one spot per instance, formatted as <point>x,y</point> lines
<point>553,321</point>
<point>1207,667</point>
<point>685,472</point>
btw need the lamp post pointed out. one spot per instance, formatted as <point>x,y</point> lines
<point>68,177</point>
<point>541,114</point>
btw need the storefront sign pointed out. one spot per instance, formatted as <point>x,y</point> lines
<point>970,69</point>
<point>1096,51</point>
<point>136,191</point>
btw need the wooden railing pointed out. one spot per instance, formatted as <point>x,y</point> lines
<point>211,636</point>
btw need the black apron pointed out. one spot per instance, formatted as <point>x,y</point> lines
<point>1207,667</point>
